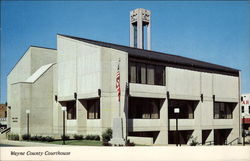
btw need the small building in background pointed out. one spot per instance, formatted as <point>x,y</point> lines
<point>3,116</point>
<point>245,110</point>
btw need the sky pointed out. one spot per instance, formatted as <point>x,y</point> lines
<point>215,32</point>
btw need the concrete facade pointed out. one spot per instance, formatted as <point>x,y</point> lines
<point>83,71</point>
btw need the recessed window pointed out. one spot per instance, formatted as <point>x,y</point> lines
<point>186,107</point>
<point>71,110</point>
<point>223,110</point>
<point>242,109</point>
<point>93,109</point>
<point>144,73</point>
<point>144,108</point>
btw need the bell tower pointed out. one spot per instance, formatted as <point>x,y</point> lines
<point>139,22</point>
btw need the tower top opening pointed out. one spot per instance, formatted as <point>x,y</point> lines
<point>140,19</point>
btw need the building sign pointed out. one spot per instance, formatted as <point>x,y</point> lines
<point>245,102</point>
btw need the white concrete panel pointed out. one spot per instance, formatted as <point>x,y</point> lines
<point>144,124</point>
<point>207,84</point>
<point>183,124</point>
<point>182,82</point>
<point>225,87</point>
<point>66,67</point>
<point>88,68</point>
<point>141,140</point>
<point>148,91</point>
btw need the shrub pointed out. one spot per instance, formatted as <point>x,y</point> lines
<point>107,135</point>
<point>26,136</point>
<point>13,137</point>
<point>92,137</point>
<point>39,138</point>
<point>43,138</point>
<point>78,137</point>
<point>128,143</point>
<point>194,141</point>
<point>65,137</point>
<point>34,138</point>
<point>106,144</point>
<point>49,139</point>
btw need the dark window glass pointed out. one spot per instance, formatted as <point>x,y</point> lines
<point>186,107</point>
<point>135,34</point>
<point>242,109</point>
<point>144,108</point>
<point>223,110</point>
<point>93,109</point>
<point>5,114</point>
<point>71,110</point>
<point>249,109</point>
<point>146,73</point>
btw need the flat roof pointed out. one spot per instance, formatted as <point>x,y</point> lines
<point>168,59</point>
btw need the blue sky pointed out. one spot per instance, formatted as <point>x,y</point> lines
<point>216,32</point>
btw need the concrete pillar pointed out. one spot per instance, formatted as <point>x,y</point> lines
<point>59,128</point>
<point>139,33</point>
<point>149,36</point>
<point>210,137</point>
<point>81,116</point>
<point>105,112</point>
<point>197,135</point>
<point>162,138</point>
<point>131,35</point>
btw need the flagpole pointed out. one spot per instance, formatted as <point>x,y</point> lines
<point>119,108</point>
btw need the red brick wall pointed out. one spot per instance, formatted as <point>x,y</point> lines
<point>3,110</point>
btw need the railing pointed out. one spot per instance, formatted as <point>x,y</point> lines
<point>3,119</point>
<point>207,143</point>
<point>5,130</point>
<point>230,143</point>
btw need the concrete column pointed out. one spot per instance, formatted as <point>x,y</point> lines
<point>59,128</point>
<point>210,136</point>
<point>139,32</point>
<point>162,138</point>
<point>197,134</point>
<point>105,112</point>
<point>149,36</point>
<point>81,116</point>
<point>131,35</point>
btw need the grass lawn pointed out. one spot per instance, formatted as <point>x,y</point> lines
<point>78,142</point>
<point>82,143</point>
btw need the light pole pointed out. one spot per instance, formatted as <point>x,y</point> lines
<point>177,111</point>
<point>28,121</point>
<point>243,130</point>
<point>64,109</point>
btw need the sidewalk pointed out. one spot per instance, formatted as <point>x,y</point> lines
<point>27,143</point>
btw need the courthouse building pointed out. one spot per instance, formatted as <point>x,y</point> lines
<point>81,75</point>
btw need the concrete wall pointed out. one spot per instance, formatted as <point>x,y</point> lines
<point>20,95</point>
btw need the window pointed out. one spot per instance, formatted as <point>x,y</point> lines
<point>223,110</point>
<point>242,109</point>
<point>249,109</point>
<point>5,114</point>
<point>187,108</point>
<point>93,109</point>
<point>71,110</point>
<point>144,108</point>
<point>146,73</point>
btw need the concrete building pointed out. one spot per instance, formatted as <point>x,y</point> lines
<point>81,75</point>
<point>245,110</point>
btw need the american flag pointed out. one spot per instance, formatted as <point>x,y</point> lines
<point>118,89</point>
